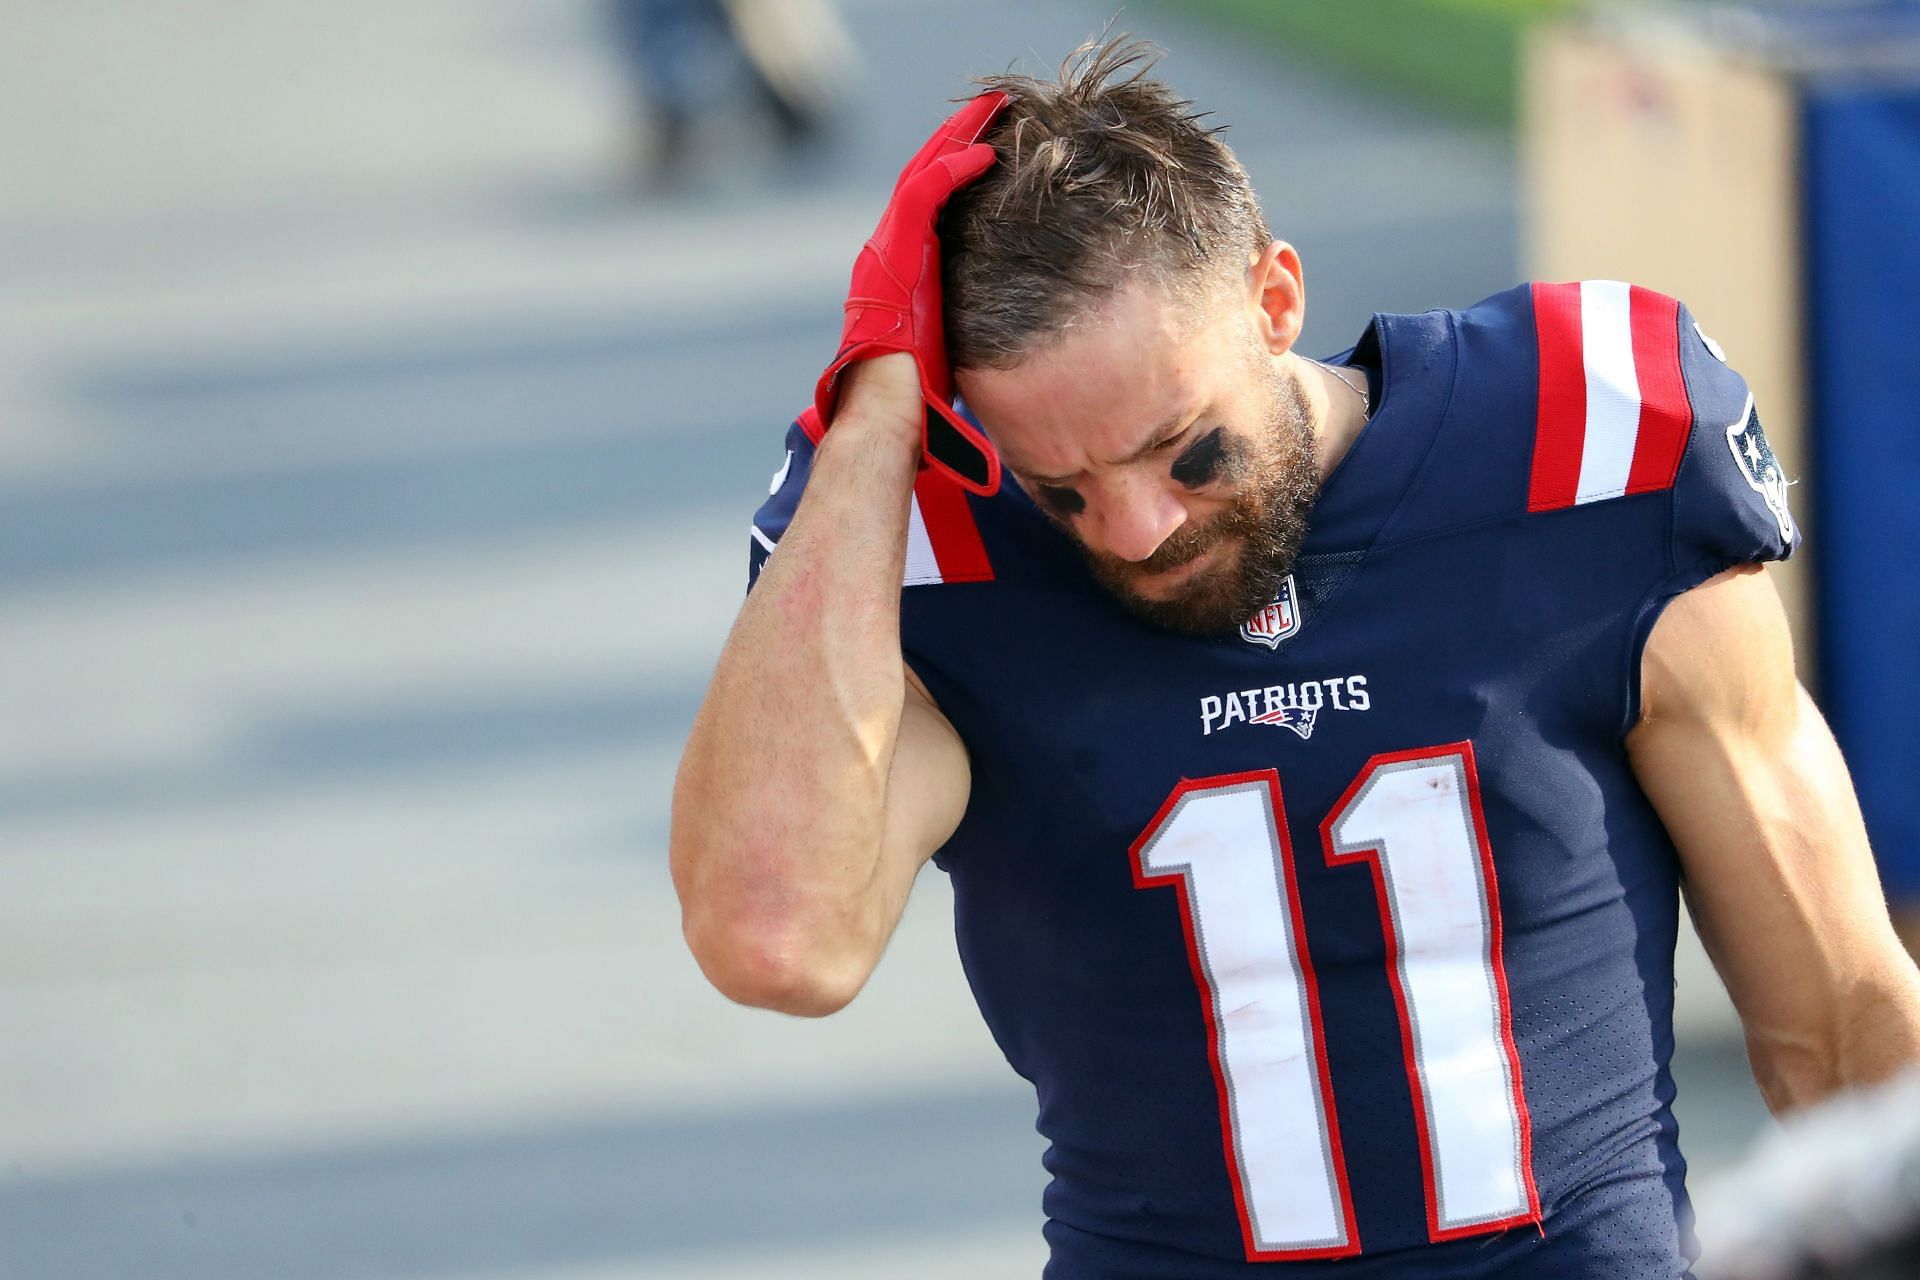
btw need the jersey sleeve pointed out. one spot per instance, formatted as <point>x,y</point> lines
<point>1602,438</point>
<point>1730,498</point>
<point>783,499</point>
<point>1635,399</point>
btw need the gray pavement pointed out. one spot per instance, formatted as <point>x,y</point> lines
<point>374,474</point>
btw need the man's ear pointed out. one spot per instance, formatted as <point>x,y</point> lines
<point>1277,296</point>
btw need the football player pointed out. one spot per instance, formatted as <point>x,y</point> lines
<point>1318,748</point>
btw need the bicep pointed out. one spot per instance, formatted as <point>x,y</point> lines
<point>1751,787</point>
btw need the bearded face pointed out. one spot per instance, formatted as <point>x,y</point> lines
<point>1178,454</point>
<point>1210,576</point>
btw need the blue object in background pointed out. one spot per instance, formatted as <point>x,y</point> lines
<point>1861,168</point>
<point>679,49</point>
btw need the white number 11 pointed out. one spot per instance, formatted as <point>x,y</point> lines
<point>1414,818</point>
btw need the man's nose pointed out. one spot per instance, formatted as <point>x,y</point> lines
<point>1137,516</point>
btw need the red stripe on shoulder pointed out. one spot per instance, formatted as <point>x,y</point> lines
<point>951,528</point>
<point>1666,418</point>
<point>1560,428</point>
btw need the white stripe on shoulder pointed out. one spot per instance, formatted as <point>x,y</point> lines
<point>923,567</point>
<point>1613,389</point>
<point>761,538</point>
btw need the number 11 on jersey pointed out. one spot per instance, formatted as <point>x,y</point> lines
<point>1414,818</point>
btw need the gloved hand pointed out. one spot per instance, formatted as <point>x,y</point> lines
<point>893,302</point>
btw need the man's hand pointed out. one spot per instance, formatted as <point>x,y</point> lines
<point>894,299</point>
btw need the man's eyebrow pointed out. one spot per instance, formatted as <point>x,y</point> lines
<point>1160,435</point>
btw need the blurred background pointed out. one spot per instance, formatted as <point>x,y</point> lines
<point>384,392</point>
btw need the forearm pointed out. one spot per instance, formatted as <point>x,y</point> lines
<point>1836,1002</point>
<point>780,802</point>
<point>1866,1030</point>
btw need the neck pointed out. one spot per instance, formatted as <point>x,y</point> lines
<point>1336,406</point>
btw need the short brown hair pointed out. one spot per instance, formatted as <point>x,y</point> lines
<point>1103,174</point>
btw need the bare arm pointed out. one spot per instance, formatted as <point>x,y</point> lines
<point>1778,875</point>
<point>819,776</point>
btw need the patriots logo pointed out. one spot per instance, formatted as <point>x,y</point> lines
<point>1275,621</point>
<point>1760,468</point>
<point>1298,719</point>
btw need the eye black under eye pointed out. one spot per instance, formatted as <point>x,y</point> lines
<point>1065,501</point>
<point>1201,462</point>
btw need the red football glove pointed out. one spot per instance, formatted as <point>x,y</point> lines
<point>893,301</point>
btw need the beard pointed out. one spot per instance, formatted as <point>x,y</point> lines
<point>1254,541</point>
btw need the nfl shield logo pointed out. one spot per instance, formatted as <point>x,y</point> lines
<point>1274,622</point>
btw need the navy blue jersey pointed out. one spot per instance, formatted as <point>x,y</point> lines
<point>1345,944</point>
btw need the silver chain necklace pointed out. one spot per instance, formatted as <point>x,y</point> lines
<point>1359,389</point>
